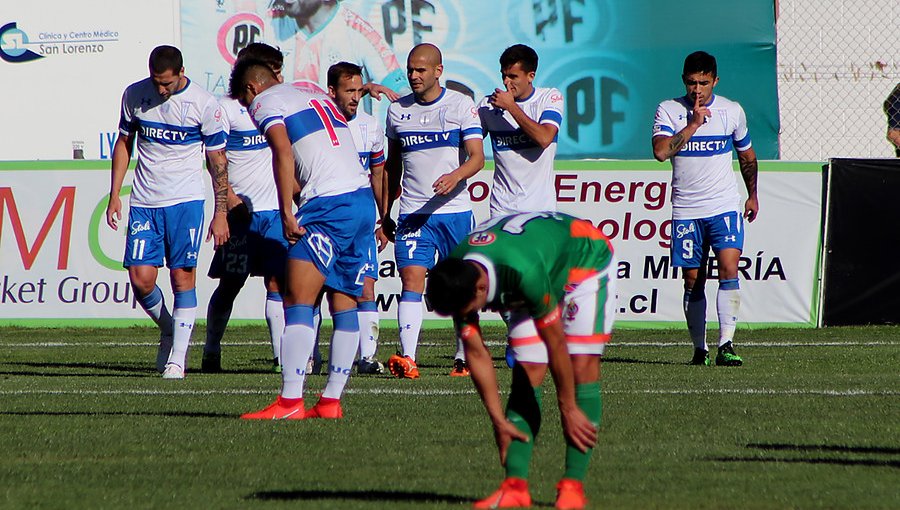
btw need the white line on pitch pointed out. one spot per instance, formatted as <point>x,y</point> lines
<point>432,344</point>
<point>439,392</point>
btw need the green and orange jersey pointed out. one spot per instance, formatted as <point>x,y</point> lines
<point>532,259</point>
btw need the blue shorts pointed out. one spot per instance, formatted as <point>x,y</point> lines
<point>692,239</point>
<point>371,269</point>
<point>174,232</point>
<point>254,248</point>
<point>422,236</point>
<point>338,231</point>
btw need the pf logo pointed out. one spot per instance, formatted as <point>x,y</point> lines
<point>238,32</point>
<point>482,238</point>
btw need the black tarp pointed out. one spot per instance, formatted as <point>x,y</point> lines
<point>862,243</point>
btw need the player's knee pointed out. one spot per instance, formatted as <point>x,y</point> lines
<point>229,288</point>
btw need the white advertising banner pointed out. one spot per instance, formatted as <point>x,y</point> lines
<point>61,263</point>
<point>64,66</point>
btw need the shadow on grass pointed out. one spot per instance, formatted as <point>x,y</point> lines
<point>839,461</point>
<point>825,448</point>
<point>362,495</point>
<point>175,414</point>
<point>615,359</point>
<point>121,369</point>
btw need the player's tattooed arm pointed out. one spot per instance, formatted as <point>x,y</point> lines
<point>218,170</point>
<point>664,147</point>
<point>676,143</point>
<point>218,228</point>
<point>749,172</point>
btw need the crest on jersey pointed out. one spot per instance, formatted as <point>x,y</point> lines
<point>571,311</point>
<point>482,238</point>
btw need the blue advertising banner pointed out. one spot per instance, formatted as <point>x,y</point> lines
<point>612,61</point>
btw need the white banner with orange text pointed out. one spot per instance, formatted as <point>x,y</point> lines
<point>61,264</point>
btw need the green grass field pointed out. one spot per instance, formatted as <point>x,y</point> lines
<point>811,421</point>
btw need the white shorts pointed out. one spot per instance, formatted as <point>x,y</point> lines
<point>588,313</point>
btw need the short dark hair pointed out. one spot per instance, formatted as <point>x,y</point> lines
<point>521,54</point>
<point>699,62</point>
<point>271,56</point>
<point>451,285</point>
<point>246,69</point>
<point>341,69</point>
<point>166,58</point>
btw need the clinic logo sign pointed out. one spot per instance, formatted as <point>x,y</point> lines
<point>17,47</point>
<point>13,42</point>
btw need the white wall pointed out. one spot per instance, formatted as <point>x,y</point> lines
<point>837,62</point>
<point>50,102</point>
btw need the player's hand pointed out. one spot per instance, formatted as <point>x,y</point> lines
<point>504,434</point>
<point>380,239</point>
<point>114,212</point>
<point>578,430</point>
<point>376,90</point>
<point>502,99</point>
<point>218,230</point>
<point>751,209</point>
<point>389,229</point>
<point>292,230</point>
<point>445,184</point>
<point>700,113</point>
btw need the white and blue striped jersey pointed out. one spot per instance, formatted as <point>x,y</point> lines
<point>703,180</point>
<point>431,136</point>
<point>171,134</point>
<point>368,138</point>
<point>249,159</point>
<point>523,171</point>
<point>325,157</point>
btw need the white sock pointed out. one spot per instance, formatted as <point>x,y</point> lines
<point>275,321</point>
<point>695,314</point>
<point>368,333</point>
<point>409,316</point>
<point>316,355</point>
<point>728,302</point>
<point>155,306</point>
<point>296,347</point>
<point>344,343</point>
<point>460,352</point>
<point>183,324</point>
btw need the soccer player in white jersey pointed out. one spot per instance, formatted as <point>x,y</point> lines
<point>523,123</point>
<point>697,132</point>
<point>345,87</point>
<point>312,148</point>
<point>434,144</point>
<point>256,246</point>
<point>172,120</point>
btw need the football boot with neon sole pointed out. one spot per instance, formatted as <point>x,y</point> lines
<point>460,368</point>
<point>403,367</point>
<point>281,409</point>
<point>701,357</point>
<point>570,495</point>
<point>328,408</point>
<point>513,493</point>
<point>727,357</point>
